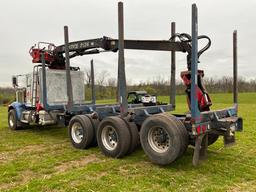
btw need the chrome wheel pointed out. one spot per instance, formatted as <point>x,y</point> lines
<point>109,138</point>
<point>77,132</point>
<point>159,139</point>
<point>11,121</point>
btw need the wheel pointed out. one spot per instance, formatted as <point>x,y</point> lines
<point>80,131</point>
<point>134,135</point>
<point>95,124</point>
<point>12,120</point>
<point>160,139</point>
<point>113,137</point>
<point>212,138</point>
<point>184,134</point>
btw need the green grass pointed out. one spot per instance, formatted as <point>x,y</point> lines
<point>42,159</point>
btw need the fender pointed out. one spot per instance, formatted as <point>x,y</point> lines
<point>19,107</point>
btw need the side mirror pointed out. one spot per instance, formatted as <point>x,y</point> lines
<point>14,81</point>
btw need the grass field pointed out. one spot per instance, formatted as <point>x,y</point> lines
<point>42,159</point>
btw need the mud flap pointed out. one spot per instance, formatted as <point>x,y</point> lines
<point>229,139</point>
<point>200,150</point>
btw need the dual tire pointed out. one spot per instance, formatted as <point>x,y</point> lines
<point>163,138</point>
<point>117,136</point>
<point>81,131</point>
<point>114,135</point>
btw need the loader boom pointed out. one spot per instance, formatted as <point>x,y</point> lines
<point>94,46</point>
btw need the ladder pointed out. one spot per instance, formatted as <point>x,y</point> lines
<point>34,86</point>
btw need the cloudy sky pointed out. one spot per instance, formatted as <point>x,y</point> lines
<point>24,23</point>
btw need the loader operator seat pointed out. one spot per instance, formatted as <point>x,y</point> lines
<point>203,98</point>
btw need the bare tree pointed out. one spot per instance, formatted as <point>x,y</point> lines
<point>88,77</point>
<point>101,78</point>
<point>111,82</point>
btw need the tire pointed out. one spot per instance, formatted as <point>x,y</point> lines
<point>113,137</point>
<point>95,124</point>
<point>183,131</point>
<point>161,149</point>
<point>134,135</point>
<point>13,120</point>
<point>80,131</point>
<point>212,138</point>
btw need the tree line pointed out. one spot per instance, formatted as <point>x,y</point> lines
<point>106,87</point>
<point>7,95</point>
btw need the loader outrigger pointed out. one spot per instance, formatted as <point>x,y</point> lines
<point>54,94</point>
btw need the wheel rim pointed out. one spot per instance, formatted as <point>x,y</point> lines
<point>159,139</point>
<point>11,121</point>
<point>109,138</point>
<point>77,132</point>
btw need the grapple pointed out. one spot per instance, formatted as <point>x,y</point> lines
<point>37,51</point>
<point>203,98</point>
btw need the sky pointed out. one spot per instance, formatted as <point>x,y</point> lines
<point>24,23</point>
